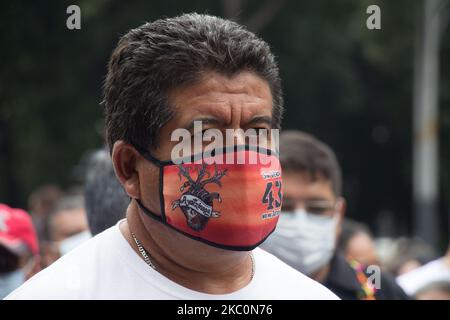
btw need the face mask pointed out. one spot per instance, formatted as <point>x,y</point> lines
<point>230,206</point>
<point>11,281</point>
<point>304,241</point>
<point>74,241</point>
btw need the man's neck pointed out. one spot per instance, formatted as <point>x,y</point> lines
<point>217,273</point>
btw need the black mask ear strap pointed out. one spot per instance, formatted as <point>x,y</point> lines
<point>160,164</point>
<point>148,212</point>
<point>147,155</point>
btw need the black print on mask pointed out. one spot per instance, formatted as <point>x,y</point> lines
<point>197,203</point>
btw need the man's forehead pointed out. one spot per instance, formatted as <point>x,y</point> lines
<point>219,98</point>
<point>212,82</point>
<point>303,184</point>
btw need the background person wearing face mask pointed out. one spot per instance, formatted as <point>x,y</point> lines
<point>67,228</point>
<point>19,258</point>
<point>311,218</point>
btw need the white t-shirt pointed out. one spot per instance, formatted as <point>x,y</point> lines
<point>415,280</point>
<point>106,267</point>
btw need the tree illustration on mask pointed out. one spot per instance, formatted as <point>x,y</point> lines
<point>196,202</point>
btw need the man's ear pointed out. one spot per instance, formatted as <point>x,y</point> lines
<point>124,159</point>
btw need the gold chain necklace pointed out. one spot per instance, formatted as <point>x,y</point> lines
<point>147,260</point>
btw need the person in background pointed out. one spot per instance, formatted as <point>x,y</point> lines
<point>408,254</point>
<point>105,200</point>
<point>311,222</point>
<point>435,271</point>
<point>67,228</point>
<point>41,203</point>
<point>356,241</point>
<point>19,249</point>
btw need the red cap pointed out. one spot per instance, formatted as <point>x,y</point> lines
<point>17,230</point>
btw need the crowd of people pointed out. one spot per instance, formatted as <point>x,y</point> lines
<point>313,235</point>
<point>57,220</point>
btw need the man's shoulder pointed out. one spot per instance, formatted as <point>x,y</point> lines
<point>67,277</point>
<point>284,276</point>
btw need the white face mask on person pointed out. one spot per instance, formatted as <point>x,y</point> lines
<point>304,241</point>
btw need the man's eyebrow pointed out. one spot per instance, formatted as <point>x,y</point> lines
<point>261,119</point>
<point>203,120</point>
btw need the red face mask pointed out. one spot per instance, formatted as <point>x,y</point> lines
<point>230,206</point>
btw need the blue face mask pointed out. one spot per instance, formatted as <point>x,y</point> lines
<point>10,281</point>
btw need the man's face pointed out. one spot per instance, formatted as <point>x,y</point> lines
<point>315,196</point>
<point>241,102</point>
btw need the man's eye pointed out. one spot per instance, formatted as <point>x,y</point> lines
<point>319,207</point>
<point>263,130</point>
<point>257,135</point>
<point>256,131</point>
<point>199,133</point>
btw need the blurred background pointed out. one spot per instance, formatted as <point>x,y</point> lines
<point>379,98</point>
